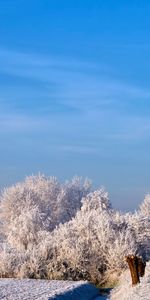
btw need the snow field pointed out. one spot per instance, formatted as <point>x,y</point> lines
<point>30,289</point>
<point>125,291</point>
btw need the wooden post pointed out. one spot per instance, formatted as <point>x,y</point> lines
<point>132,261</point>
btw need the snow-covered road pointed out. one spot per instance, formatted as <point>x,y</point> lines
<point>29,289</point>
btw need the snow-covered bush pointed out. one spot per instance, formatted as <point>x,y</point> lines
<point>65,231</point>
<point>38,204</point>
<point>91,244</point>
<point>10,261</point>
<point>143,217</point>
<point>140,224</point>
<point>144,208</point>
<point>141,228</point>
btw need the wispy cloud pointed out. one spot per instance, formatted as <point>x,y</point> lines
<point>79,149</point>
<point>68,96</point>
<point>135,130</point>
<point>20,123</point>
<point>74,81</point>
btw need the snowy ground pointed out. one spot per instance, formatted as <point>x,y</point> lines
<point>28,289</point>
<point>125,291</point>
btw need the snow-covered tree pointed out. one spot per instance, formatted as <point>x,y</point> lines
<point>59,230</point>
<point>144,208</point>
<point>37,204</point>
<point>91,242</point>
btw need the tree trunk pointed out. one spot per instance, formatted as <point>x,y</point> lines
<point>132,261</point>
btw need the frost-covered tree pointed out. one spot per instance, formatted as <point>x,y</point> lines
<point>139,221</point>
<point>91,242</point>
<point>144,208</point>
<point>141,227</point>
<point>59,230</point>
<point>39,203</point>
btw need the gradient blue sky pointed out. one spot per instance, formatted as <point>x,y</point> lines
<point>75,93</point>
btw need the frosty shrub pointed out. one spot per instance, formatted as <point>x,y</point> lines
<point>59,230</point>
<point>38,204</point>
<point>91,245</point>
<point>144,208</point>
<point>140,222</point>
<point>10,261</point>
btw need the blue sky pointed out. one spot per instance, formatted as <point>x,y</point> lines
<point>75,93</point>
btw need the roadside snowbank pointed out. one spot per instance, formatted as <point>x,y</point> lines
<point>125,291</point>
<point>29,289</point>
